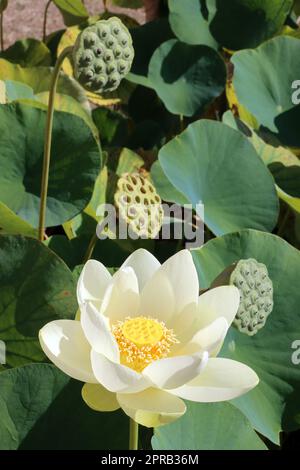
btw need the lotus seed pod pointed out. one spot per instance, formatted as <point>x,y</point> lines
<point>139,205</point>
<point>256,293</point>
<point>103,55</point>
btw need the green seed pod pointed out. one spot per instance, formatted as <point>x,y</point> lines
<point>104,48</point>
<point>256,293</point>
<point>139,205</point>
<point>99,66</point>
<point>118,51</point>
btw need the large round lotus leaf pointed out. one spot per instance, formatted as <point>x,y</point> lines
<point>146,39</point>
<point>189,21</point>
<point>75,164</point>
<point>39,79</point>
<point>275,403</point>
<point>208,426</point>
<point>17,91</point>
<point>68,104</point>
<point>212,164</point>
<point>264,86</point>
<point>281,161</point>
<point>35,287</point>
<point>186,78</point>
<point>42,409</point>
<point>165,189</point>
<point>28,53</point>
<point>238,24</point>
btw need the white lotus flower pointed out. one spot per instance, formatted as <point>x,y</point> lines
<point>145,339</point>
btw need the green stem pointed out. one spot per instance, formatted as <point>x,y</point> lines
<point>134,435</point>
<point>91,247</point>
<point>45,20</point>
<point>48,138</point>
<point>181,121</point>
<point>1,32</point>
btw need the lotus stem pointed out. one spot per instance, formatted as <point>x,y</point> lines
<point>181,122</point>
<point>45,20</point>
<point>91,247</point>
<point>48,139</point>
<point>133,435</point>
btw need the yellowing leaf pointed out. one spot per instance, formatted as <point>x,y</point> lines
<point>237,108</point>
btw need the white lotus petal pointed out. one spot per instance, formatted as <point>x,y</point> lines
<point>64,343</point>
<point>157,299</point>
<point>185,324</point>
<point>172,372</point>
<point>221,380</point>
<point>97,331</point>
<point>144,265</point>
<point>93,281</point>
<point>219,302</point>
<point>152,407</point>
<point>121,298</point>
<point>181,272</point>
<point>98,398</point>
<point>116,377</point>
<point>208,339</point>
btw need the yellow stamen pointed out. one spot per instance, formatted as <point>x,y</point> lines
<point>142,340</point>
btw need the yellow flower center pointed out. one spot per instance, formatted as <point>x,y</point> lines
<point>142,340</point>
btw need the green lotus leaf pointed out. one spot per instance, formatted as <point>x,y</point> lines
<point>239,24</point>
<point>186,78</point>
<point>189,21</point>
<point>112,127</point>
<point>39,79</point>
<point>70,105</point>
<point>146,39</point>
<point>58,417</point>
<point>265,87</point>
<point>28,53</point>
<point>75,164</point>
<point>73,11</point>
<point>10,223</point>
<point>208,426</point>
<point>17,91</point>
<point>36,287</point>
<point>210,163</point>
<point>275,403</point>
<point>281,161</point>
